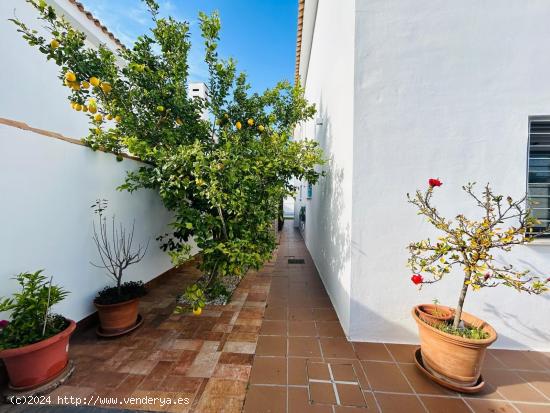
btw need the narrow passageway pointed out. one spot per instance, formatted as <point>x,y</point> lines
<point>277,347</point>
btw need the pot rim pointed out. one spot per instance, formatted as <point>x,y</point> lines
<point>29,348</point>
<point>122,303</point>
<point>444,308</point>
<point>486,327</point>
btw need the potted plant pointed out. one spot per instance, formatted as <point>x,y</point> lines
<point>117,306</point>
<point>453,352</point>
<point>435,313</point>
<point>34,343</point>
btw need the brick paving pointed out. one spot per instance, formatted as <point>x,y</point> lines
<point>279,347</point>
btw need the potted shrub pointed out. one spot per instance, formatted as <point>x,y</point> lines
<point>435,313</point>
<point>453,352</point>
<point>117,306</point>
<point>34,343</point>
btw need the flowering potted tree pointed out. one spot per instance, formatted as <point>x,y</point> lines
<point>453,351</point>
<point>34,343</point>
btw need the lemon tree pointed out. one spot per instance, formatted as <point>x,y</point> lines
<point>471,243</point>
<point>223,177</point>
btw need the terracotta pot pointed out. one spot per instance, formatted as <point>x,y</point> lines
<point>454,359</point>
<point>36,364</point>
<point>433,314</point>
<point>117,318</point>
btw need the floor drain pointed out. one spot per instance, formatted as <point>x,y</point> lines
<point>296,261</point>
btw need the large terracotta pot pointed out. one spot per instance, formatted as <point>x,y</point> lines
<point>433,314</point>
<point>117,318</point>
<point>454,359</point>
<point>36,364</point>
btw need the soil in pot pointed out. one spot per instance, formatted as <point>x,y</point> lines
<point>435,314</point>
<point>451,357</point>
<point>35,364</point>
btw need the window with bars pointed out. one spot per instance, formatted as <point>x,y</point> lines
<point>538,177</point>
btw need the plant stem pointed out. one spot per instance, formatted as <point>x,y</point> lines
<point>458,312</point>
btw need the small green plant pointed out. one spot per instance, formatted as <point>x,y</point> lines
<point>30,318</point>
<point>474,333</point>
<point>195,295</point>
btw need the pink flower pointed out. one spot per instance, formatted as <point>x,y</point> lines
<point>4,323</point>
<point>417,279</point>
<point>434,182</point>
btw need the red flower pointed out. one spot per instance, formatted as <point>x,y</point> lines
<point>417,279</point>
<point>4,323</point>
<point>434,182</point>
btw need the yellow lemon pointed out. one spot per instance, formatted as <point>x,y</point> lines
<point>54,44</point>
<point>250,122</point>
<point>109,116</point>
<point>84,108</point>
<point>73,104</point>
<point>239,125</point>
<point>70,77</point>
<point>85,85</point>
<point>261,128</point>
<point>98,117</point>
<point>118,118</point>
<point>78,107</point>
<point>106,87</point>
<point>160,108</point>
<point>75,86</point>
<point>92,108</point>
<point>179,121</point>
<point>197,311</point>
<point>94,81</point>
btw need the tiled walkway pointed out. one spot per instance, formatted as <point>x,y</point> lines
<point>278,347</point>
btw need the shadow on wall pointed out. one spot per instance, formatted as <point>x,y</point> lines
<point>327,228</point>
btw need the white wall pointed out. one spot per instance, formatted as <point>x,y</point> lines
<point>48,185</point>
<point>442,89</point>
<point>47,188</point>
<point>329,85</point>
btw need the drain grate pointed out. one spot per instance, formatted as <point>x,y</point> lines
<point>296,261</point>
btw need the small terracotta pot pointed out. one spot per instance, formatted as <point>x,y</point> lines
<point>36,364</point>
<point>433,314</point>
<point>454,359</point>
<point>117,318</point>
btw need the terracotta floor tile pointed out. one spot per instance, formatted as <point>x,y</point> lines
<point>491,362</point>
<point>329,329</point>
<point>303,347</point>
<point>540,380</point>
<point>420,383</point>
<point>324,314</point>
<point>203,365</point>
<point>236,358</point>
<point>532,408</point>
<point>274,328</point>
<point>265,399</point>
<point>372,351</point>
<point>402,353</point>
<point>351,395</point>
<point>298,402</point>
<point>212,403</point>
<point>512,386</point>
<point>275,313</point>
<point>343,372</point>
<point>317,371</point>
<point>177,383</point>
<point>226,387</point>
<point>541,358</point>
<point>269,370</point>
<point>232,371</point>
<point>239,347</point>
<point>490,406</point>
<point>138,367</point>
<point>357,367</point>
<point>337,348</point>
<point>300,314</point>
<point>297,370</point>
<point>322,393</point>
<point>517,360</point>
<point>398,403</point>
<point>243,337</point>
<point>302,328</point>
<point>386,377</point>
<point>271,346</point>
<point>444,405</point>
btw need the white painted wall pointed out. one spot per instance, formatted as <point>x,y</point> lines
<point>329,84</point>
<point>48,185</point>
<point>47,189</point>
<point>443,89</point>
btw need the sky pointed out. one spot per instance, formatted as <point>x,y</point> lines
<point>259,34</point>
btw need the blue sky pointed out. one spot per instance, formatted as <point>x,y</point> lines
<point>259,34</point>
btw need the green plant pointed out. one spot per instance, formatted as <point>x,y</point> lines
<point>470,244</point>
<point>30,317</point>
<point>224,177</point>
<point>115,249</point>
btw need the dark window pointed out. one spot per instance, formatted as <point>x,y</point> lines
<point>538,179</point>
